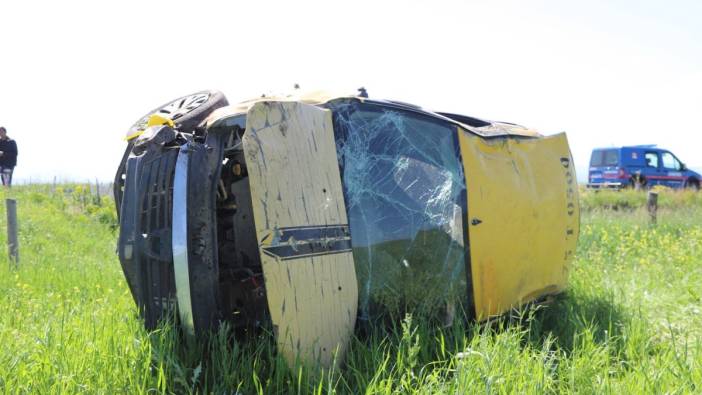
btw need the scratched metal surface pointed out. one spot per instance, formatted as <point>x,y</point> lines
<point>295,184</point>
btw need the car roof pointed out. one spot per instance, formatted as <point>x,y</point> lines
<point>474,125</point>
<point>652,147</point>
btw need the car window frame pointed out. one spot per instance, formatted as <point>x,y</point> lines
<point>658,159</point>
<point>675,159</point>
<point>367,310</point>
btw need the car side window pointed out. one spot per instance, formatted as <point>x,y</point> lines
<point>651,159</point>
<point>404,190</point>
<point>669,161</point>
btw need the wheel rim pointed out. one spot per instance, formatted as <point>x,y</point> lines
<point>177,108</point>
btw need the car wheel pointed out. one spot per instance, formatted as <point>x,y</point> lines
<point>692,184</point>
<point>186,112</point>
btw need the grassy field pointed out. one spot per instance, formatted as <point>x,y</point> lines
<point>630,322</point>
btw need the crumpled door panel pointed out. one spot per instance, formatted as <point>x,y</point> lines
<point>523,218</point>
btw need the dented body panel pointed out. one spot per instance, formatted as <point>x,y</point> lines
<point>524,218</point>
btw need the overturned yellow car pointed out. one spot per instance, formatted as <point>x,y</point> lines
<point>316,214</point>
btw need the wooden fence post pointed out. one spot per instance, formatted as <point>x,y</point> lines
<point>98,200</point>
<point>652,205</point>
<point>12,240</point>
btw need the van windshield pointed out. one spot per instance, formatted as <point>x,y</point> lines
<point>607,157</point>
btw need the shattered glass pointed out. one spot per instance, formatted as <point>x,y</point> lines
<point>405,195</point>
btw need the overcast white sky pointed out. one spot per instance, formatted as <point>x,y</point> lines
<point>75,75</point>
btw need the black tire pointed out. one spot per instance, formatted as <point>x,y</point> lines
<point>187,112</point>
<point>692,184</point>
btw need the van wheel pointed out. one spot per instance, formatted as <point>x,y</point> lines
<point>692,184</point>
<point>187,112</point>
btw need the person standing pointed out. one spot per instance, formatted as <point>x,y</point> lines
<point>8,157</point>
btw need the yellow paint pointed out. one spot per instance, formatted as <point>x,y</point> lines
<point>524,191</point>
<point>154,120</point>
<point>157,120</point>
<point>294,176</point>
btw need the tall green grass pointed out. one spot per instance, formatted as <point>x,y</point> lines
<point>630,322</point>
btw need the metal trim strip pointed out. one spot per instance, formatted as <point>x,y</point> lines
<point>180,240</point>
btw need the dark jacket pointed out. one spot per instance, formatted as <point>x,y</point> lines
<point>9,156</point>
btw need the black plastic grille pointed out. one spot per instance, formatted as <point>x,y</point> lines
<point>146,225</point>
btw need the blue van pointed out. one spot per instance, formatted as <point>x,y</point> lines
<point>622,167</point>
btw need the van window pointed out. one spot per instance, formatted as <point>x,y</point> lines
<point>651,159</point>
<point>669,161</point>
<point>607,157</point>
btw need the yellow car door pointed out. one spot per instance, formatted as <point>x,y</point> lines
<point>523,218</point>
